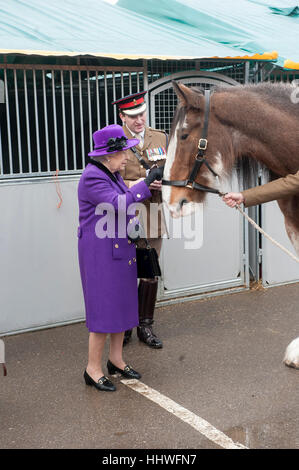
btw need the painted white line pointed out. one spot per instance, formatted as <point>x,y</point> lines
<point>185,415</point>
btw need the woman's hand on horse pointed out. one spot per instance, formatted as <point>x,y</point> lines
<point>154,174</point>
<point>233,199</point>
<point>157,185</point>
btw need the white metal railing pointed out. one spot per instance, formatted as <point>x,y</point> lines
<point>49,112</point>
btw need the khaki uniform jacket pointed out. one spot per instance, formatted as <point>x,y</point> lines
<point>153,139</point>
<point>277,189</point>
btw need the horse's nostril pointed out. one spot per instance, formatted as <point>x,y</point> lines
<point>182,202</point>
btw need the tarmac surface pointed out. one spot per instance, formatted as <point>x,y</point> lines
<point>222,360</point>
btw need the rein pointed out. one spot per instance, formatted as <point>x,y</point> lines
<point>200,159</point>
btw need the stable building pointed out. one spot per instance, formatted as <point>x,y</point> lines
<point>60,69</point>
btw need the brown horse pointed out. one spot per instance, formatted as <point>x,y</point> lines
<point>254,121</point>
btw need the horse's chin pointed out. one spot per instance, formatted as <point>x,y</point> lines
<point>182,210</point>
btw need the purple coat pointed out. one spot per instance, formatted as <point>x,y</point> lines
<point>107,265</point>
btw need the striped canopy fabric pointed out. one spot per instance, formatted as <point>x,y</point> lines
<point>164,29</point>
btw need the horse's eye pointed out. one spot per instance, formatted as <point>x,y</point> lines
<point>184,136</point>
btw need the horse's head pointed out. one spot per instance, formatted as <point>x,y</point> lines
<point>187,144</point>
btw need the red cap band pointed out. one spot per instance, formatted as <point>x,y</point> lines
<point>132,104</point>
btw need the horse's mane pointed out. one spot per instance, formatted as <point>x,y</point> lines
<point>278,94</point>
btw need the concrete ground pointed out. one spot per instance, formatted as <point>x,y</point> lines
<point>222,360</point>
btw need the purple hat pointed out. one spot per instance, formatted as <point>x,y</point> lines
<point>109,140</point>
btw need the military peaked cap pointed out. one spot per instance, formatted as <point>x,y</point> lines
<point>132,104</point>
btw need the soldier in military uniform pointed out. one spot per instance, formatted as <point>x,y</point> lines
<point>151,151</point>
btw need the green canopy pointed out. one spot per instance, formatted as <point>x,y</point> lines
<point>165,29</point>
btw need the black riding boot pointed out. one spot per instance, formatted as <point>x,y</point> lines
<point>147,293</point>
<point>127,336</point>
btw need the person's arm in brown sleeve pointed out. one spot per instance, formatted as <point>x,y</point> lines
<point>277,189</point>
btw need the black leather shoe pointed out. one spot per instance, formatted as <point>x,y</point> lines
<point>147,336</point>
<point>127,336</point>
<point>102,384</point>
<point>128,372</point>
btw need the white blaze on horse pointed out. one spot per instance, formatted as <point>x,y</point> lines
<point>208,135</point>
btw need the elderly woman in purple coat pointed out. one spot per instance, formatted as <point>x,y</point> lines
<point>107,257</point>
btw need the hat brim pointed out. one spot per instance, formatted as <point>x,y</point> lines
<point>133,112</point>
<point>102,152</point>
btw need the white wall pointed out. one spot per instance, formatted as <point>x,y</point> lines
<point>39,272</point>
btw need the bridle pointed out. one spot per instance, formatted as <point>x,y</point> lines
<point>199,159</point>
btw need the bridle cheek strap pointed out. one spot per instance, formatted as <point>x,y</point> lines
<point>199,159</point>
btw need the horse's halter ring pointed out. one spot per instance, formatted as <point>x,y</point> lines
<point>199,159</point>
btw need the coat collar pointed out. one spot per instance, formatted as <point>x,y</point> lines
<point>104,169</point>
<point>115,177</point>
<point>147,136</point>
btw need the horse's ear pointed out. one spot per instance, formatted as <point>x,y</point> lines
<point>184,94</point>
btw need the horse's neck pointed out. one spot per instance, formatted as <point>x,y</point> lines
<point>264,132</point>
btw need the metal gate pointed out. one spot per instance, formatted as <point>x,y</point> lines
<point>49,112</point>
<point>220,261</point>
<point>277,267</point>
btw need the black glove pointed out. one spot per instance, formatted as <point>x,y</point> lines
<point>154,174</point>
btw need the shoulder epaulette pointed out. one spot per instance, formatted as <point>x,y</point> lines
<point>157,130</point>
